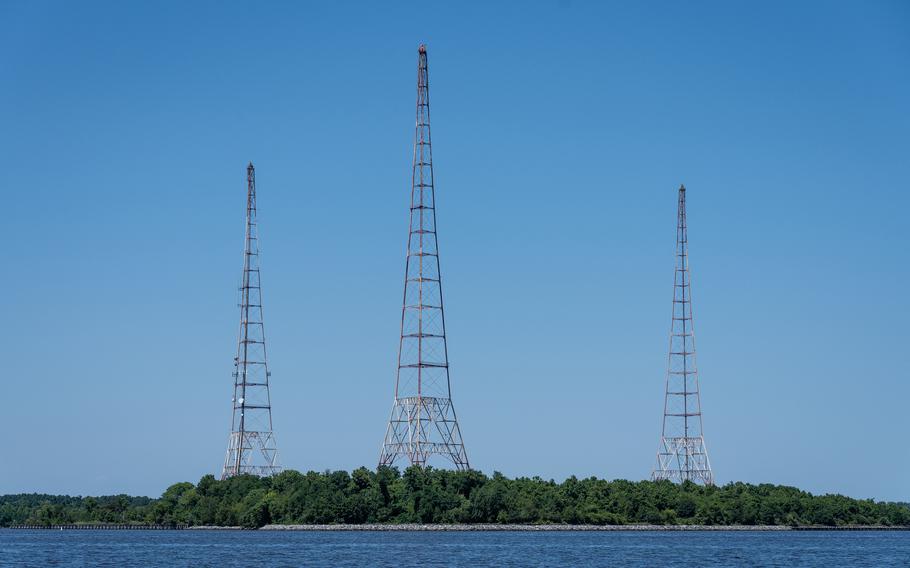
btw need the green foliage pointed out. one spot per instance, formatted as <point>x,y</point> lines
<point>440,496</point>
<point>37,509</point>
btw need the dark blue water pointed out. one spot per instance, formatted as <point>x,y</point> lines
<point>243,548</point>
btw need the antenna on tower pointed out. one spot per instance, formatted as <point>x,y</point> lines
<point>423,421</point>
<point>682,454</point>
<point>251,447</point>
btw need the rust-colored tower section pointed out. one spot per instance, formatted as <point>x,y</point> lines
<point>682,454</point>
<point>423,421</point>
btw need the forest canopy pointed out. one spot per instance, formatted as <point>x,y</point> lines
<point>442,496</point>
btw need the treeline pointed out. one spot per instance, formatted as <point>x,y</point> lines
<point>442,496</point>
<point>33,508</point>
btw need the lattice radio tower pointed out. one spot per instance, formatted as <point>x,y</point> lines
<point>251,447</point>
<point>423,421</point>
<point>682,454</point>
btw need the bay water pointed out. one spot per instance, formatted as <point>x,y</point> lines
<point>404,549</point>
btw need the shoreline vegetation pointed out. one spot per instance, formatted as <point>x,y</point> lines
<point>410,527</point>
<point>434,499</point>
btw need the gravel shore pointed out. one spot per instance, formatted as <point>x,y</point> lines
<point>526,528</point>
<point>213,528</point>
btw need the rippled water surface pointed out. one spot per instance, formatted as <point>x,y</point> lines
<point>244,548</point>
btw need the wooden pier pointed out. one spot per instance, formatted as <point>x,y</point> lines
<point>100,527</point>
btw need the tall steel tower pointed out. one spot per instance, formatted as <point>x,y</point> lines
<point>682,454</point>
<point>251,447</point>
<point>423,419</point>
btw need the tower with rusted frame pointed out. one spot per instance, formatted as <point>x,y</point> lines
<point>682,454</point>
<point>423,421</point>
<point>251,446</point>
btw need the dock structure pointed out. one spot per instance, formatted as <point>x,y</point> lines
<point>100,527</point>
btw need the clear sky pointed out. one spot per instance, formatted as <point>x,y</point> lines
<point>561,132</point>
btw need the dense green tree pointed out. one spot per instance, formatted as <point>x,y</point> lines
<point>429,495</point>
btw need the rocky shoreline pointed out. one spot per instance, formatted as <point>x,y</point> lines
<point>413,527</point>
<point>550,528</point>
<point>213,528</point>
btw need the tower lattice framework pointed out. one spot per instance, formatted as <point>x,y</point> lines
<point>423,421</point>
<point>251,446</point>
<point>682,454</point>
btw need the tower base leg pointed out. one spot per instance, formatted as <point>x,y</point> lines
<point>683,459</point>
<point>243,447</point>
<point>420,427</point>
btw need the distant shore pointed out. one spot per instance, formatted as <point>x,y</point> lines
<point>522,528</point>
<point>565,528</point>
<point>445,500</point>
<point>480,527</point>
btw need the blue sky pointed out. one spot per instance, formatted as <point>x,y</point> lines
<point>561,133</point>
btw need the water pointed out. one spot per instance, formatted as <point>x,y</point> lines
<point>273,549</point>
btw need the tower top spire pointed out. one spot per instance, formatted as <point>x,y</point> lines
<point>682,187</point>
<point>422,48</point>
